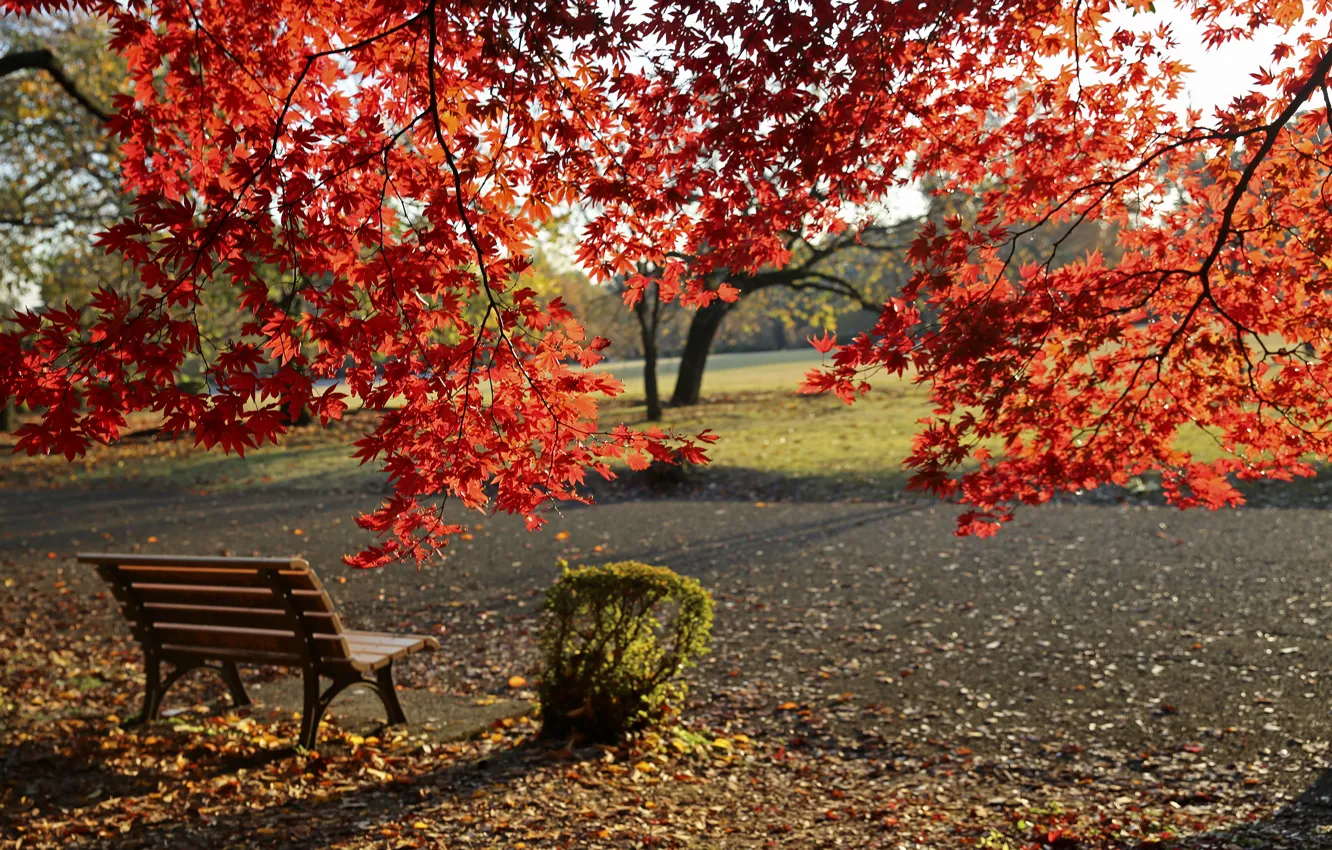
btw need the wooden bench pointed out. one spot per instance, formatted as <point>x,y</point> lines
<point>215,613</point>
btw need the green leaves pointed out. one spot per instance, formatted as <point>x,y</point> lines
<point>615,640</point>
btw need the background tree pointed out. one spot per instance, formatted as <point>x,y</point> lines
<point>59,184</point>
<point>854,266</point>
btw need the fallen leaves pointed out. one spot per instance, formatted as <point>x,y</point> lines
<point>802,762</point>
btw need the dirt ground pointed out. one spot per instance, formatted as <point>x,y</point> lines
<point>1127,662</point>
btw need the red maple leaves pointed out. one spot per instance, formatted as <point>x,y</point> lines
<point>368,179</point>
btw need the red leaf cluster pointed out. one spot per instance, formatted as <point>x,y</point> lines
<point>370,176</point>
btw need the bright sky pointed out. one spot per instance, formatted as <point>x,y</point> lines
<point>1219,74</point>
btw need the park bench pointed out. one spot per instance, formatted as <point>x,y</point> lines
<point>214,613</point>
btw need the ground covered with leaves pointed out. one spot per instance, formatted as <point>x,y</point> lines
<point>1096,677</point>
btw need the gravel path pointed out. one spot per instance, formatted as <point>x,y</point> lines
<point>1078,628</point>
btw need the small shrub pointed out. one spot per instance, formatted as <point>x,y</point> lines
<point>615,640</point>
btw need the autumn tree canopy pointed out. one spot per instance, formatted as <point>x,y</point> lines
<point>362,171</point>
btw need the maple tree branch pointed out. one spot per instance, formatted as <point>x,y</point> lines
<point>45,60</point>
<point>1316,79</point>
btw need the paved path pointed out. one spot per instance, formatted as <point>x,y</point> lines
<point>1077,627</point>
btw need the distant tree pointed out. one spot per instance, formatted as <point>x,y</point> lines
<point>58,184</point>
<point>860,268</point>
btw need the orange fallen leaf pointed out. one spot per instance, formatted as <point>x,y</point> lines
<point>298,531</point>
<point>563,535</point>
<point>787,706</point>
<point>152,539</point>
<point>517,681</point>
<point>52,555</point>
<point>464,536</point>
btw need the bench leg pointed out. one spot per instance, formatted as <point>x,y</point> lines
<point>312,711</point>
<point>388,694</point>
<point>231,676</point>
<point>316,703</point>
<point>152,688</point>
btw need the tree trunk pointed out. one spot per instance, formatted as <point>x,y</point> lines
<point>647,327</point>
<point>650,380</point>
<point>702,331</point>
<point>9,421</point>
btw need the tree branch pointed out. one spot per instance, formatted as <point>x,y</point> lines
<point>45,60</point>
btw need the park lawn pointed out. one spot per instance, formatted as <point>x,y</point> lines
<point>764,426</point>
<point>757,371</point>
<point>770,438</point>
<point>820,445</point>
<point>827,447</point>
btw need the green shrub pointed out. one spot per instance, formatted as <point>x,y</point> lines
<point>615,639</point>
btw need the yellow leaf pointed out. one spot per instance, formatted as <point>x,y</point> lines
<point>517,681</point>
<point>420,825</point>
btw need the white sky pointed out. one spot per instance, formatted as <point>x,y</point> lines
<point>1219,74</point>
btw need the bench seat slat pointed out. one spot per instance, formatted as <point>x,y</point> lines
<point>188,653</point>
<point>295,579</point>
<point>413,642</point>
<point>240,617</point>
<point>230,597</point>
<point>263,640</point>
<point>133,559</point>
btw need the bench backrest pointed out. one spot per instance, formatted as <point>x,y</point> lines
<point>270,610</point>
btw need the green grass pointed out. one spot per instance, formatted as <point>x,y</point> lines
<point>765,428</point>
<point>827,448</point>
<point>817,446</point>
<point>761,371</point>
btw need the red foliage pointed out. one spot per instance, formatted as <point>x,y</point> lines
<point>1215,318</point>
<point>370,177</point>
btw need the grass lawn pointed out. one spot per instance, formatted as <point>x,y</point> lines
<point>817,447</point>
<point>779,371</point>
<point>766,428</point>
